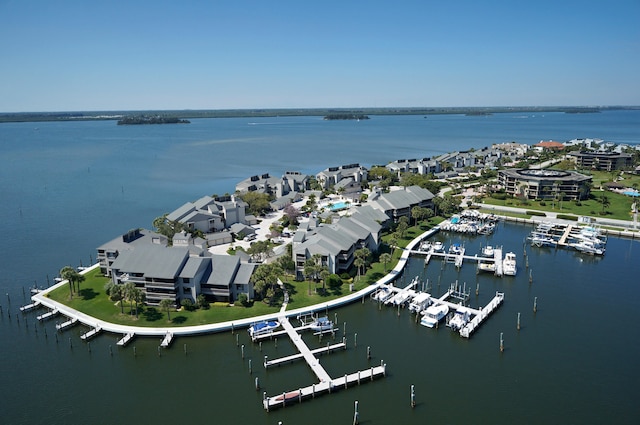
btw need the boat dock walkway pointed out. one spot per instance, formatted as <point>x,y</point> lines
<point>48,315</point>
<point>480,317</point>
<point>459,258</point>
<point>67,324</point>
<point>326,384</point>
<point>281,360</point>
<point>324,387</point>
<point>297,340</point>
<point>166,342</point>
<point>30,307</point>
<point>565,235</point>
<point>126,339</point>
<point>88,335</point>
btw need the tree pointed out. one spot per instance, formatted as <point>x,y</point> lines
<point>265,280</point>
<point>334,282</point>
<point>385,258</point>
<point>187,304</point>
<point>115,293</point>
<point>416,214</point>
<point>166,304</point>
<point>70,274</point>
<point>258,202</point>
<point>202,302</point>
<point>361,258</point>
<point>292,214</point>
<point>604,200</point>
<point>129,294</point>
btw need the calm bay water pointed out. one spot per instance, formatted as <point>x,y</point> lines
<point>69,187</point>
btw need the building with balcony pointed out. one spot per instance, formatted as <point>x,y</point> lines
<point>545,184</point>
<point>607,161</point>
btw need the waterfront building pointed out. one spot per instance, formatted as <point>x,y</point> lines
<point>398,203</point>
<point>332,175</point>
<point>291,181</point>
<point>607,161</point>
<point>548,146</point>
<point>182,271</point>
<point>414,166</point>
<point>209,214</point>
<point>544,184</point>
<point>337,243</point>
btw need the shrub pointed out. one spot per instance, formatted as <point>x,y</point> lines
<point>543,204</point>
<point>243,299</point>
<point>567,217</point>
<point>188,304</point>
<point>537,213</point>
<point>345,276</point>
<point>334,281</point>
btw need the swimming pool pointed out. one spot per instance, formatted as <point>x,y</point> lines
<point>339,206</point>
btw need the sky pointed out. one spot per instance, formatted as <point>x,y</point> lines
<point>68,55</point>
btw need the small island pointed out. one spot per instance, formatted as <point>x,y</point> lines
<point>143,119</point>
<point>346,117</point>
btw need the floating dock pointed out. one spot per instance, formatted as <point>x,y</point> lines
<point>459,258</point>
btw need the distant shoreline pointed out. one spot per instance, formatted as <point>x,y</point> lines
<point>291,112</point>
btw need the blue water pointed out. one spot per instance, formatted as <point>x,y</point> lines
<point>66,188</point>
<point>339,206</point>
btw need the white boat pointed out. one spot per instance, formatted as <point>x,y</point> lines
<point>321,324</point>
<point>434,314</point>
<point>425,246</point>
<point>541,239</point>
<point>460,318</point>
<point>509,264</point>
<point>382,294</point>
<point>264,327</point>
<point>420,302</point>
<point>589,247</point>
<point>487,251</point>
<point>487,267</point>
<point>437,246</point>
<point>455,249</point>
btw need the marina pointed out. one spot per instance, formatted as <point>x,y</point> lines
<point>495,264</point>
<point>586,239</point>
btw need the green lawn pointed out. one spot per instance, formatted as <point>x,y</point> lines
<point>92,299</point>
<point>619,208</point>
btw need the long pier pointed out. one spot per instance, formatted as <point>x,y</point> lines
<point>326,383</point>
<point>459,258</point>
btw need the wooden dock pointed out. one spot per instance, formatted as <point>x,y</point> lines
<point>125,339</point>
<point>565,235</point>
<point>88,335</point>
<point>67,324</point>
<point>344,382</point>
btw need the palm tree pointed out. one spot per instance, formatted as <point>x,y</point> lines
<point>604,200</point>
<point>166,304</point>
<point>359,263</point>
<point>385,258</point>
<point>129,293</point>
<point>70,274</point>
